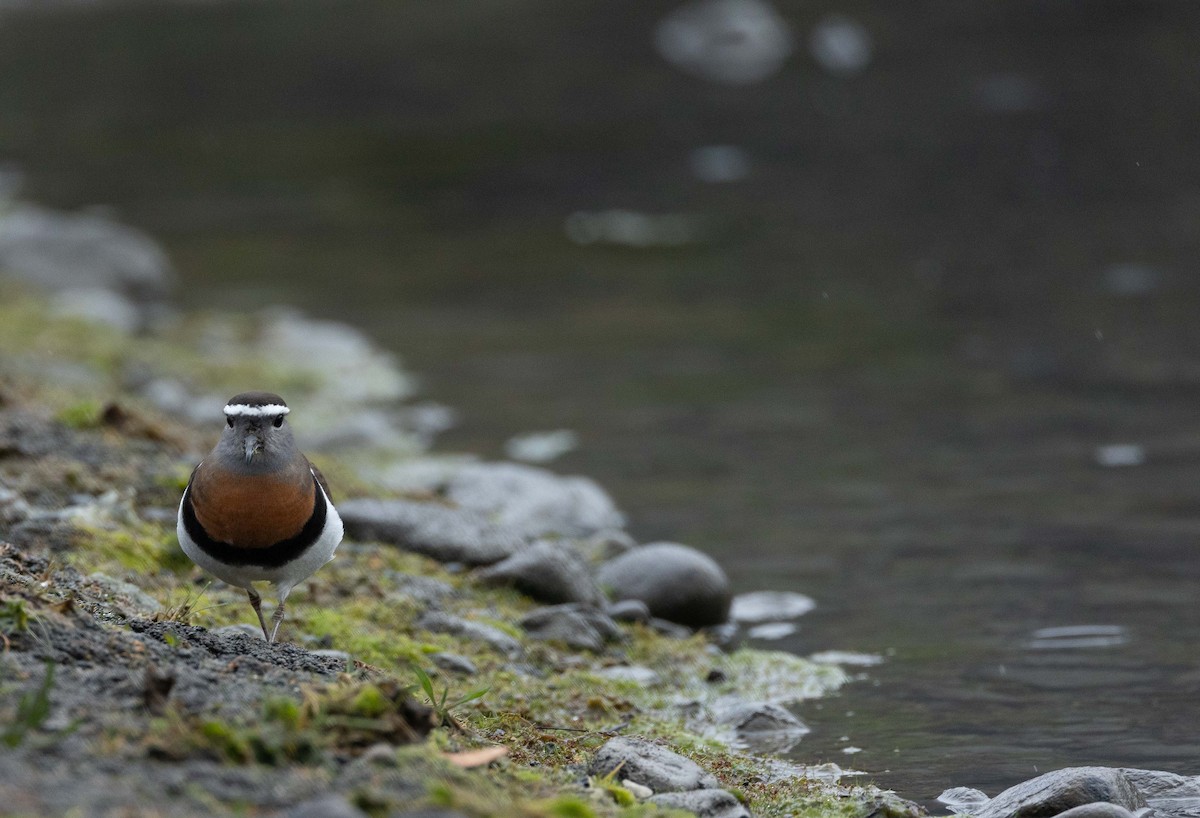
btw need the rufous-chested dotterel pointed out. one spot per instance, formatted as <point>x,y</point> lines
<point>255,509</point>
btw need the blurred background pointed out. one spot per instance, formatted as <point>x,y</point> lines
<point>889,304</point>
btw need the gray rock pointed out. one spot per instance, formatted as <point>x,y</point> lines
<point>478,631</point>
<point>670,629</point>
<point>427,590</point>
<point>333,653</point>
<point>535,502</point>
<point>548,571</point>
<point>650,765</point>
<point>676,582</point>
<point>726,636</point>
<point>432,529</point>
<point>769,606</point>
<point>578,626</point>
<point>98,306</point>
<point>13,508</point>
<point>1169,793</point>
<point>1060,790</point>
<point>764,726</point>
<point>63,251</point>
<point>628,610</point>
<point>1098,809</point>
<point>703,803</point>
<point>633,673</point>
<point>605,545</point>
<point>1155,784</point>
<point>454,663</point>
<point>326,806</point>
<point>240,629</point>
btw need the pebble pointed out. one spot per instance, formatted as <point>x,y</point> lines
<point>480,632</point>
<point>703,803</point>
<point>677,583</point>
<point>325,806</point>
<point>651,765</point>
<point>454,663</point>
<point>551,571</point>
<point>577,626</point>
<point>628,610</point>
<point>769,606</point>
<point>638,791</point>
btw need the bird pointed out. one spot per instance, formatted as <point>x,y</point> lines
<point>255,509</point>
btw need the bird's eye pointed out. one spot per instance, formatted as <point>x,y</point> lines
<point>229,421</point>
<point>278,421</point>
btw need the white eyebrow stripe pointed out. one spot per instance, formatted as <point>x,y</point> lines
<point>245,410</point>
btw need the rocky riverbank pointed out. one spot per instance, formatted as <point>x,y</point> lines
<point>573,671</point>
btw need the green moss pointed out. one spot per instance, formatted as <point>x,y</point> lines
<point>370,702</point>
<point>13,616</point>
<point>568,806</point>
<point>226,740</point>
<point>86,414</point>
<point>145,548</point>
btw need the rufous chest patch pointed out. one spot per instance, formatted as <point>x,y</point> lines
<point>252,511</point>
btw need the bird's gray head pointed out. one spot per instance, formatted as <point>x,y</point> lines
<point>256,432</point>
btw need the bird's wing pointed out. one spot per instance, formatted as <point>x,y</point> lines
<point>321,479</point>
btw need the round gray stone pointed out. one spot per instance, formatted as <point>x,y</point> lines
<point>677,583</point>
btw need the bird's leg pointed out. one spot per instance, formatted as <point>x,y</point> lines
<point>256,602</point>
<point>276,620</point>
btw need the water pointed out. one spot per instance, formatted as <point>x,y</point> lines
<point>883,374</point>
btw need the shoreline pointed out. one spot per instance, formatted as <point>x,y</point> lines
<point>102,434</point>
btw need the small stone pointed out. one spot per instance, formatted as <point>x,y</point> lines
<point>541,447</point>
<point>703,803</point>
<point>651,765</point>
<point>963,800</point>
<point>381,754</point>
<point>628,610</point>
<point>454,663</point>
<point>240,629</point>
<point>331,653</point>
<point>488,634</point>
<point>841,45</point>
<point>670,629</point>
<point>770,631</point>
<point>635,673</point>
<point>732,42</point>
<point>548,571</point>
<point>763,725</point>
<point>325,806</point>
<point>728,636</point>
<point>426,590</point>
<point>579,627</point>
<point>13,508</point>
<point>637,790</point>
<point>769,606</point>
<point>1060,790</point>
<point>676,582</point>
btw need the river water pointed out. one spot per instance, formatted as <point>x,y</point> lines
<point>885,368</point>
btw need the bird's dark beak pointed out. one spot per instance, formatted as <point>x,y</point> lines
<point>252,444</point>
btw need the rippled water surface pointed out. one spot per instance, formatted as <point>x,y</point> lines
<point>932,362</point>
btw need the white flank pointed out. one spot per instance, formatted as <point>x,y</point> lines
<point>245,410</point>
